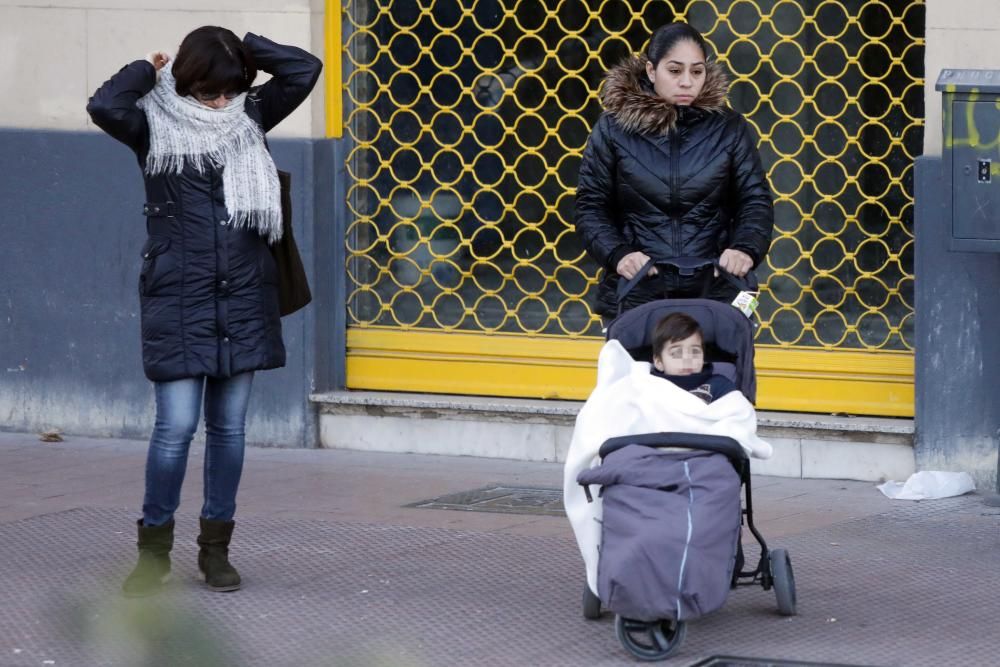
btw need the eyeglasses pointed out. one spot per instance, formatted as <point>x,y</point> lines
<point>208,97</point>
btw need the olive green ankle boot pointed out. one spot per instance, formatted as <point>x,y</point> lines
<point>153,569</point>
<point>213,557</point>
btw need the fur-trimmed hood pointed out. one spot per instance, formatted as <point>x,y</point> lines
<point>638,109</point>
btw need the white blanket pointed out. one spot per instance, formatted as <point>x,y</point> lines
<point>628,400</point>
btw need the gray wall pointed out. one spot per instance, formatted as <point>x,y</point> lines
<point>958,341</point>
<point>958,34</point>
<point>71,230</point>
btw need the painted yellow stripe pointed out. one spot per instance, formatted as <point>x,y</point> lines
<point>872,383</point>
<point>334,86</point>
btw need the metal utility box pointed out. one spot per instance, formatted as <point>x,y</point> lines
<point>971,156</point>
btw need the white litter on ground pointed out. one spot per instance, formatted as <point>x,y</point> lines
<point>929,485</point>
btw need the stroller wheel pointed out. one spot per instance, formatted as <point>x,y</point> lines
<point>649,641</point>
<point>783,581</point>
<point>591,604</point>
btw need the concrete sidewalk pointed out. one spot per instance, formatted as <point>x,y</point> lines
<point>339,571</point>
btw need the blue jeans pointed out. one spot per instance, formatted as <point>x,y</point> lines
<point>178,405</point>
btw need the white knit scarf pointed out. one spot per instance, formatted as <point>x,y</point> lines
<point>182,131</point>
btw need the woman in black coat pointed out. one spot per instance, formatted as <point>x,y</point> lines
<point>207,287</point>
<point>670,171</point>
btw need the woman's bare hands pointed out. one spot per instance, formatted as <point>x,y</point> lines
<point>736,262</point>
<point>631,263</point>
<point>159,59</point>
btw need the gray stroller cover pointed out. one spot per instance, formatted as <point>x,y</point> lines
<point>670,530</point>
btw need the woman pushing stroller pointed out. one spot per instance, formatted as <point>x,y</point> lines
<point>673,199</point>
<point>670,171</point>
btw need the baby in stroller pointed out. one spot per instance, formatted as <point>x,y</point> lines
<point>654,471</point>
<point>679,357</point>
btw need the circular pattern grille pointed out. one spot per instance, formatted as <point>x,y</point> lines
<point>468,121</point>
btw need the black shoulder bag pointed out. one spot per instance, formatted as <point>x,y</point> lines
<point>293,285</point>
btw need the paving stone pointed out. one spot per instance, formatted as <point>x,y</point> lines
<point>913,586</point>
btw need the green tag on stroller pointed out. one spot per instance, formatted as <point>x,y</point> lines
<point>746,303</point>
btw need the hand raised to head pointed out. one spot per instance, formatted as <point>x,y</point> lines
<point>158,59</point>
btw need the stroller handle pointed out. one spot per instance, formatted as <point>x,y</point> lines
<point>686,266</point>
<point>719,444</point>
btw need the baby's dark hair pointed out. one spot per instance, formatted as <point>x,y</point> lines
<point>672,328</point>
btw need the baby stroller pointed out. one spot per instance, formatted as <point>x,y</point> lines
<point>670,546</point>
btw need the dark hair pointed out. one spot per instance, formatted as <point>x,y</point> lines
<point>213,60</point>
<point>667,36</point>
<point>672,328</point>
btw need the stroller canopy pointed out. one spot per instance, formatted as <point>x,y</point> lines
<point>724,329</point>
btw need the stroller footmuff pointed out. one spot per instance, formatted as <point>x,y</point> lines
<point>670,531</point>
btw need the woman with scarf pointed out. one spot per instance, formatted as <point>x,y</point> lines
<point>670,171</point>
<point>207,287</point>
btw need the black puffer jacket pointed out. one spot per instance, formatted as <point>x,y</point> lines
<point>670,181</point>
<point>208,291</point>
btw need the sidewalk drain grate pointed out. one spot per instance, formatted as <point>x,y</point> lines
<point>731,661</point>
<point>500,499</point>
